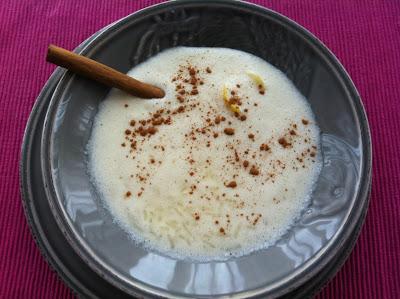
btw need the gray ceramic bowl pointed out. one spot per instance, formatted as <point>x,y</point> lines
<point>337,203</point>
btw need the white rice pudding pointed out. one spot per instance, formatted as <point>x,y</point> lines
<point>222,166</point>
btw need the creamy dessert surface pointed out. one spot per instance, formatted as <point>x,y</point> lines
<point>222,166</point>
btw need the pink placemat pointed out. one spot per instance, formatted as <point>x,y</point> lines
<point>365,36</point>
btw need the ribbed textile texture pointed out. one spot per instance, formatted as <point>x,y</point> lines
<point>364,35</point>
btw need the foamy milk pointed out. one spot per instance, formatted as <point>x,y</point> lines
<point>222,166</point>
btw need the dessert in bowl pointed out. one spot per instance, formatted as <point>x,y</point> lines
<point>157,221</point>
<point>221,166</point>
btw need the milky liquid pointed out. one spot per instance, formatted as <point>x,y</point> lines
<point>222,166</point>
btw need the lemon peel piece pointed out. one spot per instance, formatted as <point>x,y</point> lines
<point>257,79</point>
<point>235,108</point>
<point>225,96</point>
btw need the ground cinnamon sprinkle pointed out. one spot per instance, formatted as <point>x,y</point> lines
<point>245,163</point>
<point>132,123</point>
<point>157,121</point>
<point>304,121</point>
<point>208,70</point>
<point>254,170</point>
<point>192,71</point>
<point>128,194</point>
<point>142,131</point>
<point>235,100</point>
<point>229,131</point>
<point>222,231</point>
<point>264,147</point>
<point>231,184</point>
<point>243,117</point>
<point>282,141</point>
<point>196,216</point>
<point>251,136</point>
<point>168,121</point>
<point>236,156</point>
<point>152,130</point>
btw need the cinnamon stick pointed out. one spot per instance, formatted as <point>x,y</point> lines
<point>99,72</point>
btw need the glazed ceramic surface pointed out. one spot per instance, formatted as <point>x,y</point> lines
<point>338,201</point>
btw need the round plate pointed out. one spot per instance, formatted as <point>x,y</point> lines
<point>337,203</point>
<point>55,248</point>
<point>49,238</point>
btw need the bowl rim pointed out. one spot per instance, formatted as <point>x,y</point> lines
<point>305,271</point>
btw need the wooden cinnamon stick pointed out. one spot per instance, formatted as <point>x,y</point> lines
<point>101,73</point>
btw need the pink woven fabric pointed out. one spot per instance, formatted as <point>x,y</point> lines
<point>365,36</point>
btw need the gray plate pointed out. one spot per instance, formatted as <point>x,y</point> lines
<point>49,238</point>
<point>57,251</point>
<point>52,243</point>
<point>337,203</point>
<point>55,248</point>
